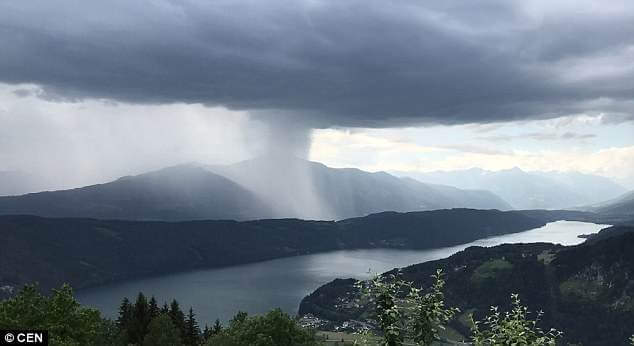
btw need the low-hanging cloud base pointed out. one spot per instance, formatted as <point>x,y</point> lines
<point>93,90</point>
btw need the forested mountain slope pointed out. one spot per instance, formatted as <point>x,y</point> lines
<point>85,252</point>
<point>587,291</point>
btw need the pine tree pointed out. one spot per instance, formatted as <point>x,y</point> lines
<point>125,319</point>
<point>178,317</point>
<point>153,308</point>
<point>206,332</point>
<point>140,319</point>
<point>217,328</point>
<point>192,331</point>
<point>125,313</point>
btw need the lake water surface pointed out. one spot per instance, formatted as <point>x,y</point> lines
<point>260,287</point>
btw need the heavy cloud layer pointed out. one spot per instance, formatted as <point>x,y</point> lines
<point>332,63</point>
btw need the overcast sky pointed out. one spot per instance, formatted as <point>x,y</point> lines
<point>93,90</point>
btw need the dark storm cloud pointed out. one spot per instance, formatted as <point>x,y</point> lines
<point>331,63</point>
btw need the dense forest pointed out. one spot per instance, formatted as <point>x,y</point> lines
<point>405,315</point>
<point>88,252</point>
<point>142,322</point>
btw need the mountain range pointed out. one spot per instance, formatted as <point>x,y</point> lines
<point>529,190</point>
<point>277,187</point>
<point>266,187</point>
